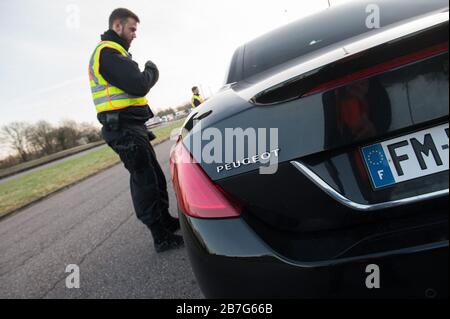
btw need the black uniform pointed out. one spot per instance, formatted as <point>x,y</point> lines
<point>125,132</point>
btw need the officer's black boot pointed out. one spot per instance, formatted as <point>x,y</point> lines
<point>164,239</point>
<point>170,223</point>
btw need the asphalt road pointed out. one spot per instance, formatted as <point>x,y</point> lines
<point>91,224</point>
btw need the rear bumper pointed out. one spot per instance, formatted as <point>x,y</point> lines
<point>231,261</point>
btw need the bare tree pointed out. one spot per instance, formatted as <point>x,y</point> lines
<point>15,136</point>
<point>184,107</point>
<point>165,112</point>
<point>42,137</point>
<point>89,132</point>
<point>67,135</point>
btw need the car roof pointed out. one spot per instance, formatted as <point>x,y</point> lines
<point>317,31</point>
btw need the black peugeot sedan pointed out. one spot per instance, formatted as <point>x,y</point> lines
<point>320,169</point>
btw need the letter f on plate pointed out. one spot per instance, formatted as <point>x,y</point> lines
<point>381,173</point>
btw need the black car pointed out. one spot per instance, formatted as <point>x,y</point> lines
<point>320,170</point>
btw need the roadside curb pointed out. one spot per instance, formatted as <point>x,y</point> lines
<point>37,200</point>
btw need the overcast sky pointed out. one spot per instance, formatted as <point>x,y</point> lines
<point>47,45</point>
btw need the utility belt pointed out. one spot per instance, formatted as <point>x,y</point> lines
<point>111,122</point>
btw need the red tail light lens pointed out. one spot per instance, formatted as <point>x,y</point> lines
<point>197,195</point>
<point>377,69</point>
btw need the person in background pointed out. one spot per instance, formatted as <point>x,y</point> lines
<point>196,98</point>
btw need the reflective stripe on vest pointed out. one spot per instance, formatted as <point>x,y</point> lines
<point>196,97</point>
<point>106,96</point>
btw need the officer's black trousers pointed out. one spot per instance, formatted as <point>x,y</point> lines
<point>147,181</point>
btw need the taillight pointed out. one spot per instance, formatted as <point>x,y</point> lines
<point>197,195</point>
<point>380,68</point>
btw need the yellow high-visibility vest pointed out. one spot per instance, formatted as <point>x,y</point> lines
<point>196,97</point>
<point>106,96</point>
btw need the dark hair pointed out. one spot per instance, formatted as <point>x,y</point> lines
<point>122,14</point>
<point>194,88</point>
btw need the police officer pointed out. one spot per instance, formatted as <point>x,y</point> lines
<point>196,98</point>
<point>118,90</point>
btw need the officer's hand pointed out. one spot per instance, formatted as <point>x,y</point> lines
<point>151,65</point>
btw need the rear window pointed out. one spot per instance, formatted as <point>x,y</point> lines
<point>323,29</point>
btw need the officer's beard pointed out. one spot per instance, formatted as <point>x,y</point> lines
<point>122,36</point>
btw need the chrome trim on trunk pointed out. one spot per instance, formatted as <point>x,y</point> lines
<point>313,177</point>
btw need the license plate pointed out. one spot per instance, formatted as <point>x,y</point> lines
<point>408,157</point>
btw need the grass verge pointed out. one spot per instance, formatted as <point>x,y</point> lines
<point>5,172</point>
<point>24,190</point>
